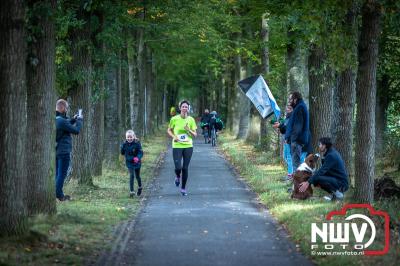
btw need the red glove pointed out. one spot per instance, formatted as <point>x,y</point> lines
<point>135,159</point>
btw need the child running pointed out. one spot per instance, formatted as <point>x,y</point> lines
<point>132,150</point>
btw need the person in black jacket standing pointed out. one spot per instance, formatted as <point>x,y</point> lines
<point>332,176</point>
<point>65,126</point>
<point>298,130</point>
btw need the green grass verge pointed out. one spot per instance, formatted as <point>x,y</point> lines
<point>262,172</point>
<point>82,228</point>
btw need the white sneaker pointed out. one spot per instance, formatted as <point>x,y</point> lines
<point>329,197</point>
<point>337,195</point>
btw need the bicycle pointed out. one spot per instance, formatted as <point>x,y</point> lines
<point>213,136</point>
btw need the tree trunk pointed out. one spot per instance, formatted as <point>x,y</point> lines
<point>81,98</point>
<point>13,173</point>
<point>133,84</point>
<point>40,127</point>
<point>112,136</point>
<point>231,95</point>
<point>346,91</point>
<point>141,69</point>
<point>149,91</point>
<point>97,145</point>
<point>297,71</point>
<point>321,96</point>
<point>236,93</point>
<point>265,70</point>
<point>227,83</point>
<point>244,103</point>
<point>382,104</point>
<point>125,120</point>
<point>253,135</point>
<point>120,91</point>
<point>345,112</point>
<point>366,98</point>
<point>155,100</point>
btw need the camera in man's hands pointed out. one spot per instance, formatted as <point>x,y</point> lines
<point>79,114</point>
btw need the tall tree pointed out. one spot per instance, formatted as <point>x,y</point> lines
<point>296,64</point>
<point>141,69</point>
<point>96,145</point>
<point>265,70</point>
<point>111,125</point>
<point>13,172</point>
<point>346,91</point>
<point>133,83</point>
<point>40,72</point>
<point>366,99</point>
<point>321,95</point>
<point>243,101</point>
<point>80,95</point>
<point>150,93</point>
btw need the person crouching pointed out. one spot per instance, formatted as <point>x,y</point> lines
<point>332,176</point>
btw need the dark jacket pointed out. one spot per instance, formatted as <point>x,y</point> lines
<point>65,127</point>
<point>332,165</point>
<point>298,127</point>
<point>131,150</point>
<point>205,118</point>
<point>213,120</point>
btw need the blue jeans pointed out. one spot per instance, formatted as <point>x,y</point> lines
<point>62,164</point>
<point>298,156</point>
<point>303,156</point>
<point>288,158</point>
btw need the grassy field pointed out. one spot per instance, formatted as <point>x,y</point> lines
<point>263,173</point>
<point>82,228</point>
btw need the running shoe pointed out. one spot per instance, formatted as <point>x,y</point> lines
<point>337,195</point>
<point>65,198</point>
<point>177,181</point>
<point>183,192</point>
<point>139,191</point>
<point>131,194</point>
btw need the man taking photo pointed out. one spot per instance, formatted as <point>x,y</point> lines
<point>65,126</point>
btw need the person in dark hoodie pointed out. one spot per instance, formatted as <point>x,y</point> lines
<point>332,176</point>
<point>298,130</point>
<point>132,150</point>
<point>65,127</point>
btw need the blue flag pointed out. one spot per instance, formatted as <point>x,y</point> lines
<point>256,89</point>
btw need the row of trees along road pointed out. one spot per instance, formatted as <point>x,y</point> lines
<point>127,62</point>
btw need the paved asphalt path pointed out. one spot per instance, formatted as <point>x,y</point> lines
<point>218,223</point>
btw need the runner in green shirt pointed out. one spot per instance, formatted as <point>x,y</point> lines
<point>182,129</point>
